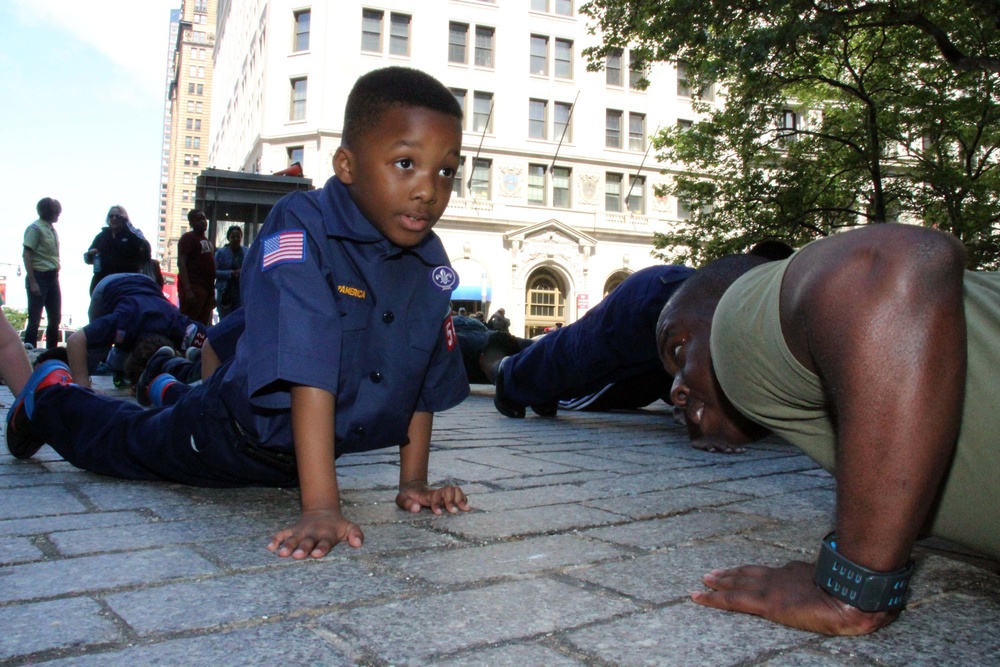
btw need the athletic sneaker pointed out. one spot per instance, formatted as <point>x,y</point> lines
<point>21,441</point>
<point>154,368</point>
<point>504,405</point>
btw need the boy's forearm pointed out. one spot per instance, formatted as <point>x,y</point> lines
<point>414,456</point>
<point>76,352</point>
<point>312,427</point>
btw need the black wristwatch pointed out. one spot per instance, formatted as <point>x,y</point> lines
<point>858,586</point>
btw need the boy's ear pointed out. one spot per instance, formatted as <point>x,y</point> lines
<point>343,163</point>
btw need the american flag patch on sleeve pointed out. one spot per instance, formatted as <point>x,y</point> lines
<point>283,248</point>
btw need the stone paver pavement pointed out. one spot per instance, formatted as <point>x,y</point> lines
<point>588,533</point>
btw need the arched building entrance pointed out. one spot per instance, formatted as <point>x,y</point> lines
<point>544,302</point>
<point>614,280</point>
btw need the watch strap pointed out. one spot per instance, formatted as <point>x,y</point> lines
<point>858,586</point>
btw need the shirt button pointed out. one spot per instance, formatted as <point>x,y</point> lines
<point>375,377</point>
<point>388,317</point>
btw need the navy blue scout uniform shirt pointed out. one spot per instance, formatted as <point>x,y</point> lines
<point>137,308</point>
<point>333,304</point>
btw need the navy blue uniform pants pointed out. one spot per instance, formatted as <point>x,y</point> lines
<point>195,441</point>
<point>615,341</point>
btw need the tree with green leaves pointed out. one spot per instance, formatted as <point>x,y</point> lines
<point>834,115</point>
<point>16,317</point>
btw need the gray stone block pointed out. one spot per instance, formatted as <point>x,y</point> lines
<point>56,624</point>
<point>509,559</point>
<point>458,620</point>
<point>273,593</point>
<point>552,518</point>
<point>686,634</point>
<point>98,573</point>
<point>271,644</point>
<point>673,574</point>
<point>659,533</point>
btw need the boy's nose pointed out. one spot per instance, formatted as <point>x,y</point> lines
<point>423,189</point>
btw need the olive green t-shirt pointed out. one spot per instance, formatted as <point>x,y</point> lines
<point>765,382</point>
<point>41,238</point>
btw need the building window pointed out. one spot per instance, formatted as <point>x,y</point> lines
<point>613,68</point>
<point>399,34</point>
<point>636,195</point>
<point>201,89</point>
<point>613,129</point>
<point>460,96</point>
<point>683,86</point>
<point>536,119</point>
<point>637,131</point>
<point>195,159</point>
<point>560,187</point>
<point>298,104</point>
<point>536,184</point>
<point>480,186</point>
<point>539,55</point>
<point>190,123</point>
<point>458,184</point>
<point>683,210</point>
<point>613,193</point>
<point>187,142</point>
<point>458,38</point>
<point>192,71</point>
<point>561,129</point>
<point>564,7</point>
<point>484,46</point>
<point>635,72</point>
<point>564,58</point>
<point>301,39</point>
<point>789,127</point>
<point>482,118</point>
<point>201,72</point>
<point>295,154</point>
<point>187,160</point>
<point>191,88</point>
<point>371,30</point>
<point>684,125</point>
<point>197,107</point>
<point>540,5</point>
<point>197,142</point>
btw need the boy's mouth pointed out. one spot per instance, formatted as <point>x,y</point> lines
<point>414,223</point>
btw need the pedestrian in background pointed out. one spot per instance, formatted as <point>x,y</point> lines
<point>118,248</point>
<point>228,263</point>
<point>41,267</point>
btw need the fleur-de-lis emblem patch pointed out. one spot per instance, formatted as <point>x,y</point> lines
<point>444,278</point>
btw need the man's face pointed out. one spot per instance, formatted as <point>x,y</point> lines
<point>683,343</point>
<point>199,224</point>
<point>116,221</point>
<point>400,172</point>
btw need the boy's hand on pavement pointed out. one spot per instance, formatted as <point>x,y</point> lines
<point>416,495</point>
<point>787,595</point>
<point>315,534</point>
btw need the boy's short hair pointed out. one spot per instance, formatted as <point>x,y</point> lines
<point>379,90</point>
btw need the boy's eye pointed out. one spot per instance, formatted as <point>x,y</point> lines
<point>448,172</point>
<point>404,163</point>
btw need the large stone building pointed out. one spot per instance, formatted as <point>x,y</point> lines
<point>189,98</point>
<point>555,201</point>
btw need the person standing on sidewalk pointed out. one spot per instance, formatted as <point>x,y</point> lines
<point>41,267</point>
<point>196,270</point>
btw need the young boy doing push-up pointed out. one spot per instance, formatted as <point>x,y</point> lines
<point>348,345</point>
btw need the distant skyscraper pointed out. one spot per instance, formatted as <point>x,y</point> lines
<point>175,20</point>
<point>189,95</point>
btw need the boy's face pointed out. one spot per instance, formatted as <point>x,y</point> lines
<point>400,171</point>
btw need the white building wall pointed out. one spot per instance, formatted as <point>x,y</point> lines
<point>584,244</point>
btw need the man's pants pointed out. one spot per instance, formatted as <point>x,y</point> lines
<point>51,300</point>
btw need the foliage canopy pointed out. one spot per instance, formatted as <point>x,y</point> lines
<point>834,115</point>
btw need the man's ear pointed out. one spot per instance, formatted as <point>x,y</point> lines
<point>343,163</point>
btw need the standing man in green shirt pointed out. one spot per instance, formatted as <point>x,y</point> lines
<point>41,266</point>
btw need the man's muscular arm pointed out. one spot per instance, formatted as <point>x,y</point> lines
<point>878,315</point>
